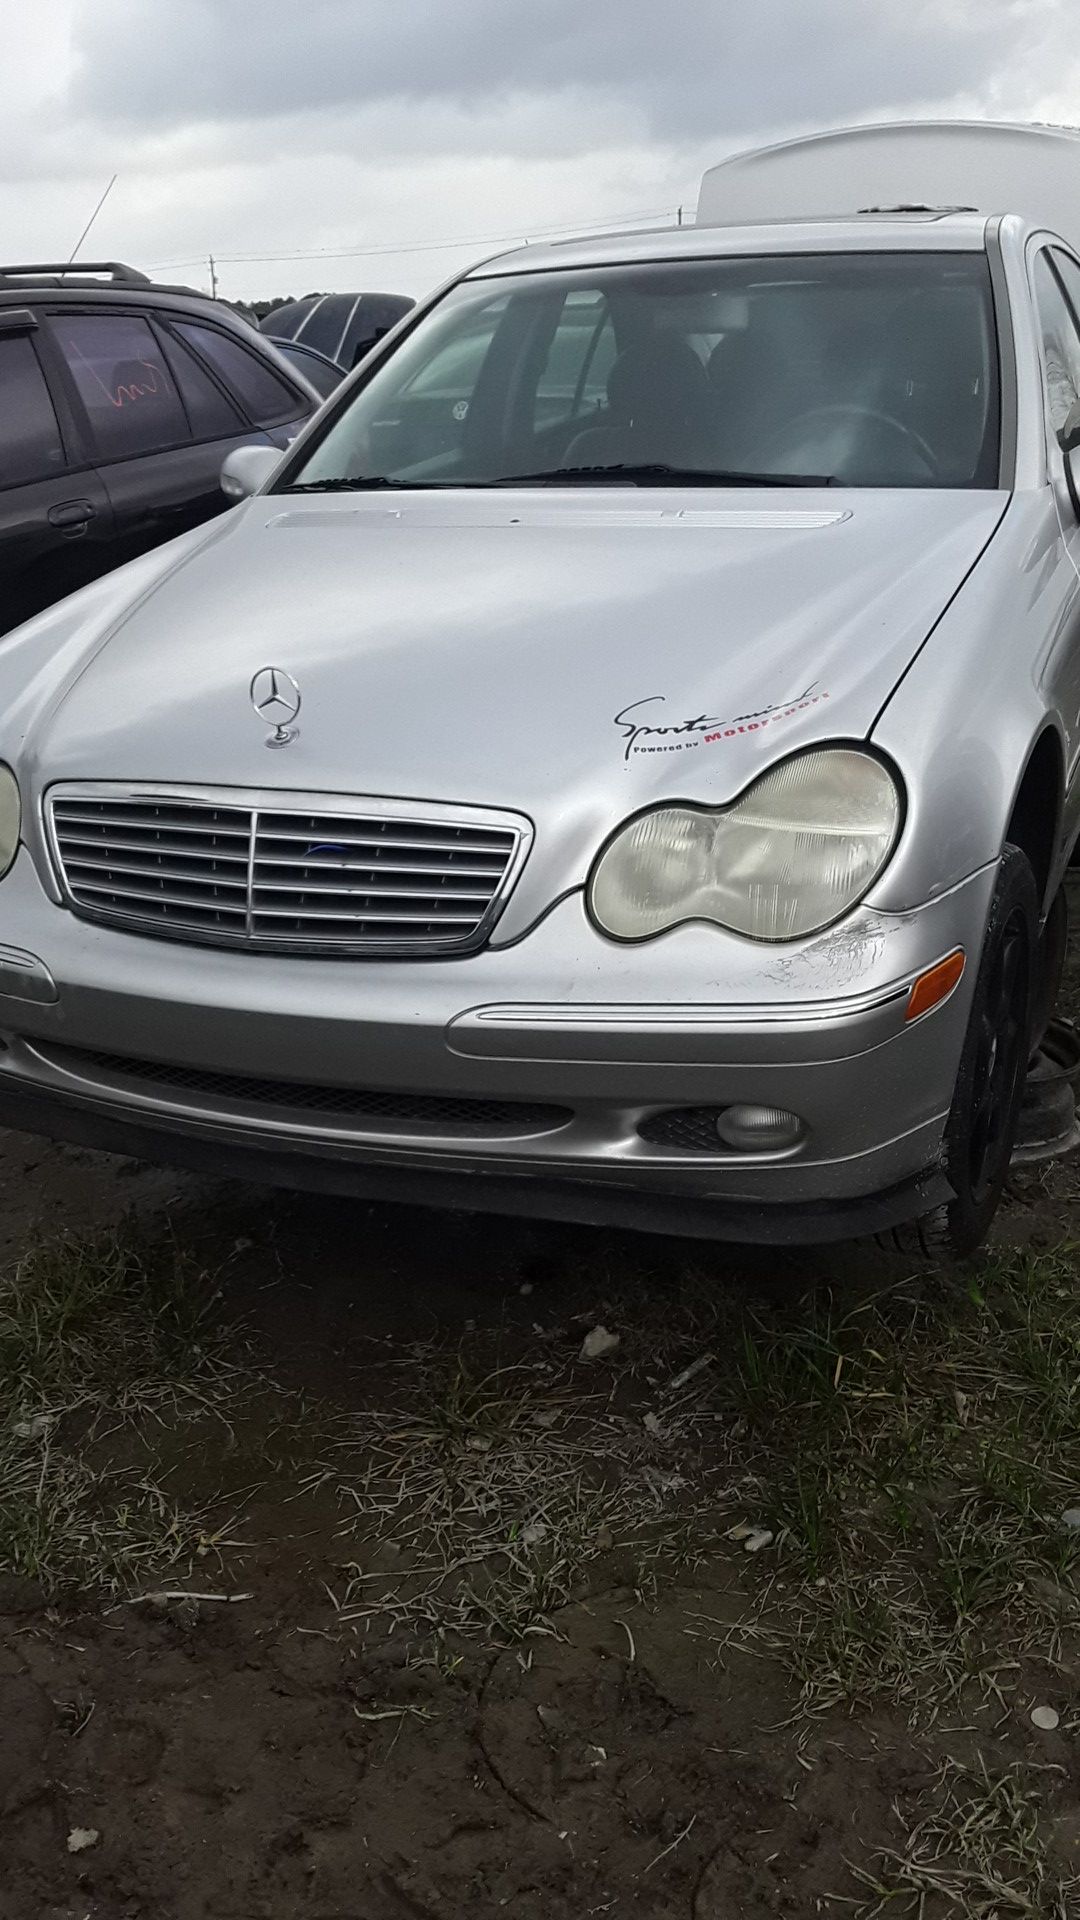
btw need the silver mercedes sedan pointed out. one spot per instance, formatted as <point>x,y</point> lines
<point>619,765</point>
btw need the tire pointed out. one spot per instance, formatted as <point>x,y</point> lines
<point>981,1128</point>
<point>1052,950</point>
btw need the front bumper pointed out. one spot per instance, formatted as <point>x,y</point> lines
<point>610,1035</point>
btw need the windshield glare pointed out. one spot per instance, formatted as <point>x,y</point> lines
<point>870,370</point>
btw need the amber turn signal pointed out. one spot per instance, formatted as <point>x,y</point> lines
<point>935,985</point>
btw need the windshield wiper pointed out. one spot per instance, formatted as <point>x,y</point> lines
<point>359,483</point>
<point>655,473</point>
<point>658,473</point>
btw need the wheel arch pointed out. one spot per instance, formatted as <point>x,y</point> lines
<point>1035,819</point>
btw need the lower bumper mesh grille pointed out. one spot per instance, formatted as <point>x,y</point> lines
<point>387,1112</point>
<point>685,1130</point>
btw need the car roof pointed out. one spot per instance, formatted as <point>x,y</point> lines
<point>105,280</point>
<point>336,323</point>
<point>899,230</point>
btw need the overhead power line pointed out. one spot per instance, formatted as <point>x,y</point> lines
<point>416,246</point>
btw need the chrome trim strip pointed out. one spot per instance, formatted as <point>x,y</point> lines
<point>253,841</point>
<point>698,1017</point>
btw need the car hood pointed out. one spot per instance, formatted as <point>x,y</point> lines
<point>571,655</point>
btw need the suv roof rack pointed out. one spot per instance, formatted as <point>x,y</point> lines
<point>920,206</point>
<point>114,271</point>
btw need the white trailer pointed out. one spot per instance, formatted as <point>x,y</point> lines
<point>988,166</point>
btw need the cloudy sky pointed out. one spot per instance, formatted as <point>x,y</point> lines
<point>366,134</point>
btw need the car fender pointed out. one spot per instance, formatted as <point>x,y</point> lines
<point>965,721</point>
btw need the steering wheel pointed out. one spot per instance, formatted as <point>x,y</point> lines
<point>851,409</point>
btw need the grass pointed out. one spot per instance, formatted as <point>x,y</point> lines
<point>68,1526</point>
<point>977,1850</point>
<point>917,1453</point>
<point>487,1503</point>
<point>912,1449</point>
<point>911,1442</point>
<point>101,1337</point>
<point>108,1323</point>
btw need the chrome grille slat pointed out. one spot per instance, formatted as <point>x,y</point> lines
<point>125,867</point>
<point>187,865</point>
<point>325,829</point>
<point>182,852</point>
<point>493,873</point>
<point>362,890</point>
<point>404,919</point>
<point>170,826</point>
<point>160,897</point>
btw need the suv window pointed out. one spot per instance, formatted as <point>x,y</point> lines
<point>30,445</point>
<point>1061,354</point>
<point>123,381</point>
<point>211,413</point>
<point>266,399</point>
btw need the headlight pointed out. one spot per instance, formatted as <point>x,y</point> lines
<point>798,850</point>
<point>10,817</point>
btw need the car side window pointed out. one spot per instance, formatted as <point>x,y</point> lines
<point>266,399</point>
<point>453,373</point>
<point>1061,355</point>
<point>211,413</point>
<point>324,376</point>
<point>430,413</point>
<point>122,378</point>
<point>573,380</point>
<point>30,444</point>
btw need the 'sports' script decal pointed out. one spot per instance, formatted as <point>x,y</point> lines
<point>645,731</point>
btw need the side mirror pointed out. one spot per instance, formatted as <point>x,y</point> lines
<point>246,469</point>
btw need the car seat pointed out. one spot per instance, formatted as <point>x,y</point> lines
<point>657,412</point>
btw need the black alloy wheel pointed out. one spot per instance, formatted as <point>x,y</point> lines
<point>982,1124</point>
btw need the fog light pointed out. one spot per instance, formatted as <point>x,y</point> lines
<point>760,1129</point>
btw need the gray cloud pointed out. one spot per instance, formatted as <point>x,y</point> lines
<point>270,128</point>
<point>678,72</point>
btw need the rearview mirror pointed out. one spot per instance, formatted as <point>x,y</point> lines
<point>246,469</point>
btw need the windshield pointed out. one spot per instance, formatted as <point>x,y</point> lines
<point>863,370</point>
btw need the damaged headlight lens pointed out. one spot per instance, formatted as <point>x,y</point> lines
<point>797,851</point>
<point>10,818</point>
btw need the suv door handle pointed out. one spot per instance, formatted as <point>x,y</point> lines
<point>72,516</point>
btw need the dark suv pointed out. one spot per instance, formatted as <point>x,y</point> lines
<point>119,400</point>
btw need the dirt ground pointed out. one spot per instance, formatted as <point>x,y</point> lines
<point>489,1628</point>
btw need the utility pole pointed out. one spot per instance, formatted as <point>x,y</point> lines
<point>213,278</point>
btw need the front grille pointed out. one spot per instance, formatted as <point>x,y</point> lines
<point>685,1130</point>
<point>289,879</point>
<point>401,1113</point>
